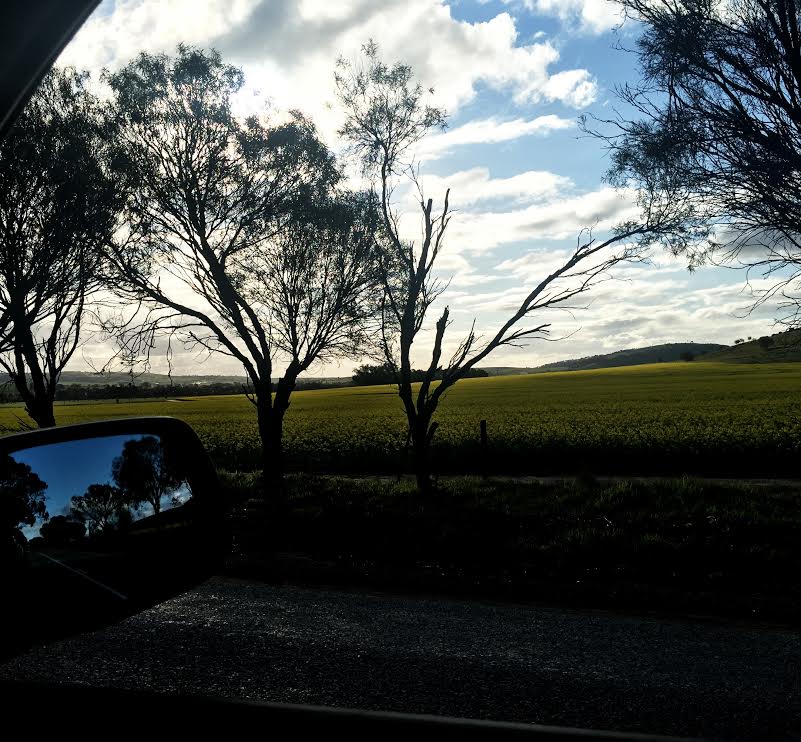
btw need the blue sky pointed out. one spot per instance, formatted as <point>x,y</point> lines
<point>68,468</point>
<point>514,76</point>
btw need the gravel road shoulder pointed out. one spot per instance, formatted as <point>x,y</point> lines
<point>252,640</point>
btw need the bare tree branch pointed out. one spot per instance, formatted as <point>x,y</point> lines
<point>385,115</point>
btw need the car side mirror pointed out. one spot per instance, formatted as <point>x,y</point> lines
<point>100,520</point>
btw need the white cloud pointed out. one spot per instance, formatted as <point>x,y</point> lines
<point>119,30</point>
<point>476,186</point>
<point>533,266</point>
<point>557,219</point>
<point>288,49</point>
<point>552,215</point>
<point>491,130</point>
<point>591,16</point>
<point>466,280</point>
<point>574,87</point>
<point>453,262</point>
<point>649,308</point>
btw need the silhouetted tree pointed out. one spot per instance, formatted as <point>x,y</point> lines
<point>143,473</point>
<point>316,285</point>
<point>100,506</point>
<point>386,115</point>
<point>716,127</point>
<point>371,374</point>
<point>22,501</point>
<point>384,373</point>
<point>236,238</point>
<point>57,205</point>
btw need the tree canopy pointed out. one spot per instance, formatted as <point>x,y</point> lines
<point>22,502</point>
<point>99,507</point>
<point>237,237</point>
<point>58,205</point>
<point>714,127</point>
<point>143,474</point>
<point>22,494</point>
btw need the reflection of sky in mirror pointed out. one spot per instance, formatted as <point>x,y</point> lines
<point>70,467</point>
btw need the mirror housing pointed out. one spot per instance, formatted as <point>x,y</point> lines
<point>100,520</point>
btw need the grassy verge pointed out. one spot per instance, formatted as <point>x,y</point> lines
<point>681,546</point>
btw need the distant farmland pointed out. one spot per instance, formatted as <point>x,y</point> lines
<point>676,418</point>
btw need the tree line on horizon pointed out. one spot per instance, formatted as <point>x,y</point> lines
<point>364,375</point>
<point>158,217</point>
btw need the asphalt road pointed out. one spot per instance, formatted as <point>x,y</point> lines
<point>427,655</point>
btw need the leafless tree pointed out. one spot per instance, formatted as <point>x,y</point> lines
<point>237,239</point>
<point>57,206</point>
<point>386,114</point>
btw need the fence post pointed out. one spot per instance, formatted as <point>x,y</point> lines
<point>484,448</point>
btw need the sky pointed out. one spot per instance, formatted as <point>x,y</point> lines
<point>514,76</point>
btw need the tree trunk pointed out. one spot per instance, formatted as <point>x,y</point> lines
<point>422,434</point>
<point>272,450</point>
<point>41,412</point>
<point>422,471</point>
<point>38,399</point>
<point>272,463</point>
<point>271,409</point>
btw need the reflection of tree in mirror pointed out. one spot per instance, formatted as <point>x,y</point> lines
<point>102,507</point>
<point>144,473</point>
<point>22,501</point>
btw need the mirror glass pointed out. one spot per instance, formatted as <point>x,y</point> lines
<point>95,528</point>
<point>93,489</point>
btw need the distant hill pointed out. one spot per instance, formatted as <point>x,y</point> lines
<point>777,348</point>
<point>783,346</point>
<point>77,386</point>
<point>120,377</point>
<point>632,357</point>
